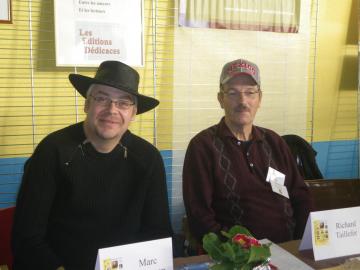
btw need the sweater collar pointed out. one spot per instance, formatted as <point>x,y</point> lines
<point>81,137</point>
<point>224,132</point>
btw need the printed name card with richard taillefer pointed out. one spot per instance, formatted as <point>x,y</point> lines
<point>149,255</point>
<point>332,233</point>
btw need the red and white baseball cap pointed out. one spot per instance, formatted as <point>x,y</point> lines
<point>239,67</point>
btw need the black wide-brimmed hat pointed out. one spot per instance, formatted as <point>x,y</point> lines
<point>118,75</point>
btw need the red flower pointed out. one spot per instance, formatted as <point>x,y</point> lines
<point>245,241</point>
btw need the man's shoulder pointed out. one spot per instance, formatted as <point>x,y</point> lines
<point>139,147</point>
<point>69,133</point>
<point>62,139</point>
<point>61,143</point>
<point>206,134</point>
<point>272,138</point>
<point>142,152</point>
<point>267,133</point>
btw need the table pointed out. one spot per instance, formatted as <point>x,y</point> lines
<point>189,260</point>
<point>307,256</point>
<point>292,247</point>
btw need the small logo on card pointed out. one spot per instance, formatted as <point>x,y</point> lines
<point>321,232</point>
<point>113,264</point>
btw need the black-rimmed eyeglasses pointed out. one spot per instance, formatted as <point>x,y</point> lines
<point>123,104</point>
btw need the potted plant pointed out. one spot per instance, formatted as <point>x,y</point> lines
<point>239,251</point>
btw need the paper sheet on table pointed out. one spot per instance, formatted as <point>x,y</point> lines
<point>283,259</point>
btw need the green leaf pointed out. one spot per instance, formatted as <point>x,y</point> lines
<point>228,251</point>
<point>212,244</point>
<point>227,235</point>
<point>239,229</point>
<point>241,255</point>
<point>235,230</point>
<point>259,254</point>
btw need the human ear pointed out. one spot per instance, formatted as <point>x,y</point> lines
<point>260,97</point>
<point>134,114</point>
<point>86,106</point>
<point>220,97</point>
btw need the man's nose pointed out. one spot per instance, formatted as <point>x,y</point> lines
<point>112,105</point>
<point>241,96</point>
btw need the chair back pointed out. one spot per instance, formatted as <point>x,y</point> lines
<point>6,221</point>
<point>304,155</point>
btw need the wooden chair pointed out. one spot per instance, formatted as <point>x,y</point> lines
<point>6,221</point>
<point>334,193</point>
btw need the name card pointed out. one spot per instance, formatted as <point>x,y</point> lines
<point>332,233</point>
<point>149,255</point>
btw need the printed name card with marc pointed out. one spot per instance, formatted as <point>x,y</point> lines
<point>149,255</point>
<point>332,233</point>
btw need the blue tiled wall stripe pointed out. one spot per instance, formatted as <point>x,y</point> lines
<point>11,170</point>
<point>336,159</point>
<point>167,157</point>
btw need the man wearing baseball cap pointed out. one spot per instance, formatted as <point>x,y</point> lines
<point>236,173</point>
<point>93,184</point>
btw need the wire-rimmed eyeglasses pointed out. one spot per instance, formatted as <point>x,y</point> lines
<point>236,94</point>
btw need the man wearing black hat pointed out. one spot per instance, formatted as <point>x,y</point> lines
<point>237,173</point>
<point>93,184</point>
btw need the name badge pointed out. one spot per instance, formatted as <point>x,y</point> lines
<point>275,176</point>
<point>279,189</point>
<point>149,255</point>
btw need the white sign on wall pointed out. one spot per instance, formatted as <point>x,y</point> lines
<point>88,32</point>
<point>5,11</point>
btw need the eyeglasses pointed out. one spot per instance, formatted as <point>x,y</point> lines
<point>122,104</point>
<point>236,94</point>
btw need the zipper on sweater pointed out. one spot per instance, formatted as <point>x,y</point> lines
<point>125,150</point>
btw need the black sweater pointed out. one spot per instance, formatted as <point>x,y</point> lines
<point>74,200</point>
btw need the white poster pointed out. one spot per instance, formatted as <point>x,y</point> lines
<point>5,11</point>
<point>88,32</point>
<point>256,15</point>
